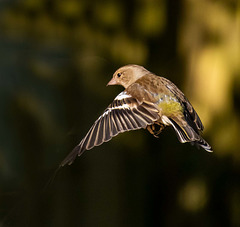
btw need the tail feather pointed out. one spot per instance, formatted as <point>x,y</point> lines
<point>186,133</point>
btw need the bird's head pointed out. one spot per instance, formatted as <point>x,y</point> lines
<point>127,75</point>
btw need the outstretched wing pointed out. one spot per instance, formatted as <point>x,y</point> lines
<point>124,114</point>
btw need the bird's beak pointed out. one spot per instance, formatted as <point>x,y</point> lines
<point>112,82</point>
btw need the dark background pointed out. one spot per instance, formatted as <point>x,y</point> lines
<point>56,58</point>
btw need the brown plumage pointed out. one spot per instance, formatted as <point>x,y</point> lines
<point>148,101</point>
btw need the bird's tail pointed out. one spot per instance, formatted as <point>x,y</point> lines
<point>186,133</point>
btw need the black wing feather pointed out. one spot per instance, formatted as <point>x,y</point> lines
<point>189,112</point>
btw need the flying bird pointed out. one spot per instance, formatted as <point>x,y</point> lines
<point>150,102</point>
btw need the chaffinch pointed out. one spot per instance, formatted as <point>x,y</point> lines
<point>148,101</point>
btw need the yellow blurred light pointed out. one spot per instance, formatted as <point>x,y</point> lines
<point>193,196</point>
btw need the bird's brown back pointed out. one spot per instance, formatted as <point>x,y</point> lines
<point>150,86</point>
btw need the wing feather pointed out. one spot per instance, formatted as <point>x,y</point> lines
<point>124,114</point>
<point>190,113</point>
<point>131,118</point>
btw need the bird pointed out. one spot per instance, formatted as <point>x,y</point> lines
<point>148,102</point>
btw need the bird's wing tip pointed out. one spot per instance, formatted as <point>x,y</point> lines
<point>71,157</point>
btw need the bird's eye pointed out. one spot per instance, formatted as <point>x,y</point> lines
<point>119,74</point>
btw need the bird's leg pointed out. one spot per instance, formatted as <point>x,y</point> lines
<point>155,128</point>
<point>149,128</point>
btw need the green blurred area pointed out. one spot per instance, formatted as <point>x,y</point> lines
<point>56,58</point>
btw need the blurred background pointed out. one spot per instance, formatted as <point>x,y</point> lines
<point>56,58</point>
